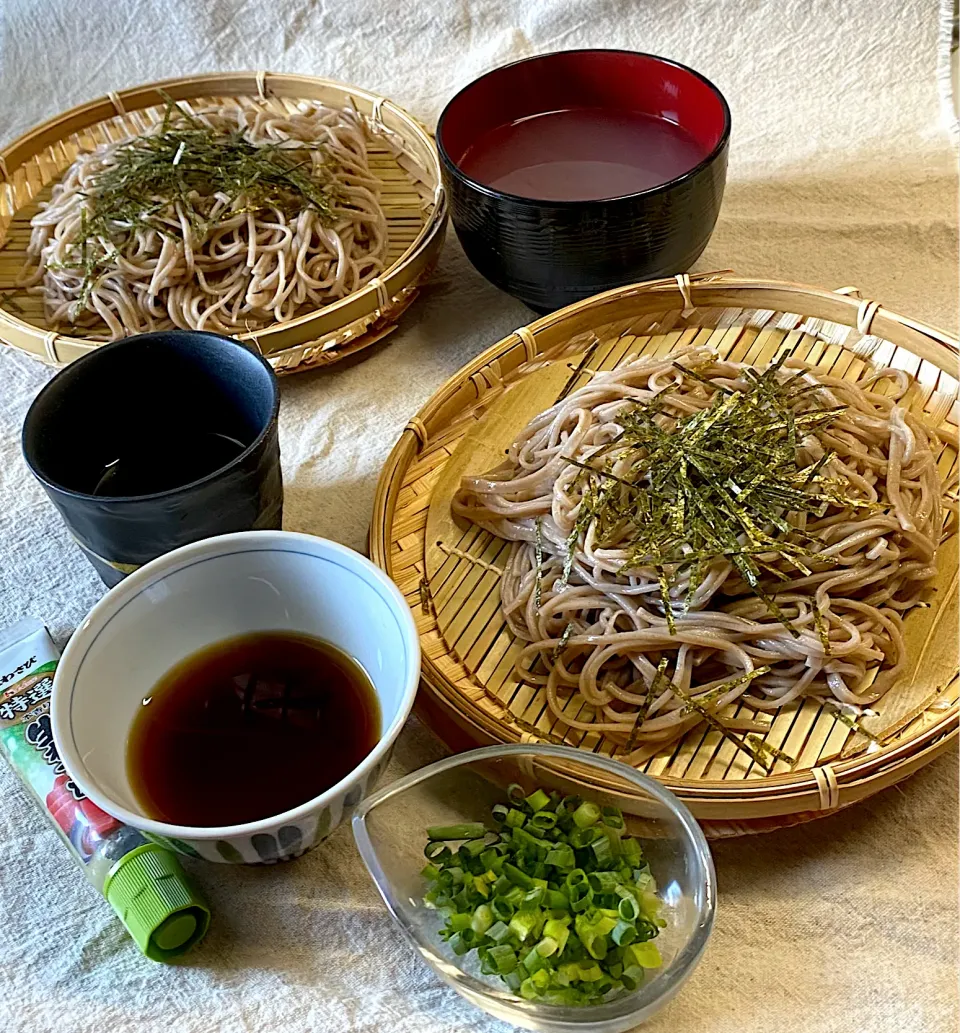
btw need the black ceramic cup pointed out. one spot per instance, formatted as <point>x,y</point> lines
<point>550,252</point>
<point>156,441</point>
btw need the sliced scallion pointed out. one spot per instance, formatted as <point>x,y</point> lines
<point>557,901</point>
<point>468,830</point>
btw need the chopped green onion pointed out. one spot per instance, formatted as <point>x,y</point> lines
<point>515,819</point>
<point>558,903</point>
<point>556,900</point>
<point>644,954</point>
<point>623,933</point>
<point>628,909</point>
<point>568,973</point>
<point>513,981</point>
<point>472,848</point>
<point>488,858</point>
<point>532,899</point>
<point>558,931</point>
<point>437,852</point>
<point>586,814</point>
<point>528,990</point>
<point>514,896</point>
<point>533,961</point>
<point>482,919</point>
<point>504,957</point>
<point>517,877</point>
<point>537,800</point>
<point>468,830</point>
<point>499,812</point>
<point>502,909</point>
<point>612,817</point>
<point>561,856</point>
<point>580,838</point>
<point>643,878</point>
<point>632,977</point>
<point>596,944</point>
<point>581,898</point>
<point>541,979</point>
<point>590,973</point>
<point>578,877</point>
<point>583,903</point>
<point>501,885</point>
<point>602,850</point>
<point>498,932</point>
<point>523,923</point>
<point>630,851</point>
<point>515,794</point>
<point>462,941</point>
<point>604,882</point>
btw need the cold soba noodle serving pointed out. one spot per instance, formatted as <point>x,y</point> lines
<point>225,218</point>
<point>692,532</point>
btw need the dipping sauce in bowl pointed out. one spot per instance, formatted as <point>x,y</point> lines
<point>582,154</point>
<point>573,173</point>
<point>250,727</point>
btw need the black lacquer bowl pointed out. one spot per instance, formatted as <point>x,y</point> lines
<point>550,253</point>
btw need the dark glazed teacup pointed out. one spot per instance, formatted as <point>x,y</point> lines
<point>156,441</point>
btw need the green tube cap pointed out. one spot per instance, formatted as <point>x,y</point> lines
<point>157,902</point>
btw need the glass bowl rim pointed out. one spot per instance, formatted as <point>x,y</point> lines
<point>641,999</point>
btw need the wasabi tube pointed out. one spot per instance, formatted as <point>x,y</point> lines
<point>142,881</point>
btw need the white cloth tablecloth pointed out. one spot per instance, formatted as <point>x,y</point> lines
<point>841,172</point>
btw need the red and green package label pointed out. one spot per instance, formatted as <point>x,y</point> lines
<point>26,736</point>
<point>143,884</point>
<point>80,819</point>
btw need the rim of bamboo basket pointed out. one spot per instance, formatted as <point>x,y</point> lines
<point>715,816</point>
<point>814,791</point>
<point>314,338</point>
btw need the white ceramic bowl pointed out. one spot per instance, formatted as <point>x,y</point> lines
<point>204,593</point>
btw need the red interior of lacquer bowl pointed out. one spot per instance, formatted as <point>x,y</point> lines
<point>617,81</point>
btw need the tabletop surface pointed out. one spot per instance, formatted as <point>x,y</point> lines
<point>842,172</point>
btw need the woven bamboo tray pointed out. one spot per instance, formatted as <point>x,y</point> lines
<point>450,572</point>
<point>402,156</point>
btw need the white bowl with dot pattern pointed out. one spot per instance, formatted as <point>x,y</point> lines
<point>204,593</point>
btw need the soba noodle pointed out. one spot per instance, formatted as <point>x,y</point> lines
<point>598,639</point>
<point>246,265</point>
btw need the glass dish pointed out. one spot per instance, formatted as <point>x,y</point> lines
<point>390,830</point>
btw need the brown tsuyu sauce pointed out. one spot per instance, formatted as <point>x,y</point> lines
<point>250,727</point>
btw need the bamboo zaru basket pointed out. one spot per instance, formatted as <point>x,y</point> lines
<point>402,155</point>
<point>450,571</point>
